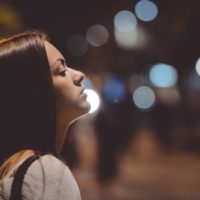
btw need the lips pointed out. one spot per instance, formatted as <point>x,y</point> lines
<point>83,94</point>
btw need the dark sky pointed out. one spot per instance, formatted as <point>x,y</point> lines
<point>174,34</point>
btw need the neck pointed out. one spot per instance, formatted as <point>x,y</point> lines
<point>63,123</point>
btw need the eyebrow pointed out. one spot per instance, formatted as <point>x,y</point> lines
<point>62,60</point>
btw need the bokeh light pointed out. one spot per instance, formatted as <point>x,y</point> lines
<point>144,97</point>
<point>125,21</point>
<point>97,35</point>
<point>130,40</point>
<point>87,83</point>
<point>146,10</point>
<point>10,19</point>
<point>197,67</point>
<point>114,90</point>
<point>93,99</point>
<point>194,80</point>
<point>77,45</point>
<point>163,75</point>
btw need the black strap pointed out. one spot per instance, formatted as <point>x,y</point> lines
<point>16,190</point>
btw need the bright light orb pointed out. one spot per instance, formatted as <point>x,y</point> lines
<point>197,67</point>
<point>144,97</point>
<point>163,75</point>
<point>97,35</point>
<point>146,10</point>
<point>93,99</point>
<point>125,21</point>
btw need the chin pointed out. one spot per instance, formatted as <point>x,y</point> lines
<point>82,109</point>
<point>85,108</point>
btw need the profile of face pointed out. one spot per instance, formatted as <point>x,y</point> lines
<point>69,90</point>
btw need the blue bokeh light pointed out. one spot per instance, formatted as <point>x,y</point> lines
<point>144,97</point>
<point>125,21</point>
<point>146,10</point>
<point>87,83</point>
<point>194,80</point>
<point>114,90</point>
<point>163,75</point>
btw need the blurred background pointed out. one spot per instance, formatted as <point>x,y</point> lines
<point>141,140</point>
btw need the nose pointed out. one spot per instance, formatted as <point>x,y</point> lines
<point>78,76</point>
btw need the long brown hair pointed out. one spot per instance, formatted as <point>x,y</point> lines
<point>27,99</point>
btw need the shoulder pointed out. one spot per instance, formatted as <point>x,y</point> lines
<point>46,165</point>
<point>52,178</point>
<point>50,164</point>
<point>50,168</point>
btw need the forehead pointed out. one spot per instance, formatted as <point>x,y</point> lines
<point>53,54</point>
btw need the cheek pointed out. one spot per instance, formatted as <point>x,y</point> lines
<point>64,91</point>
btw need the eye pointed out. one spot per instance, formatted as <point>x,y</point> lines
<point>62,73</point>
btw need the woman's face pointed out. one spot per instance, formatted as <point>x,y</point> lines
<point>70,97</point>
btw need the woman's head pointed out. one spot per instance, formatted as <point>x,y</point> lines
<point>69,91</point>
<point>29,91</point>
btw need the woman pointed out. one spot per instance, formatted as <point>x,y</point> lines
<point>40,97</point>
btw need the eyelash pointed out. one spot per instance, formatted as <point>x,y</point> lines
<point>62,73</point>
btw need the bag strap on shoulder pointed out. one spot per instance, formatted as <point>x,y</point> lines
<point>16,189</point>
